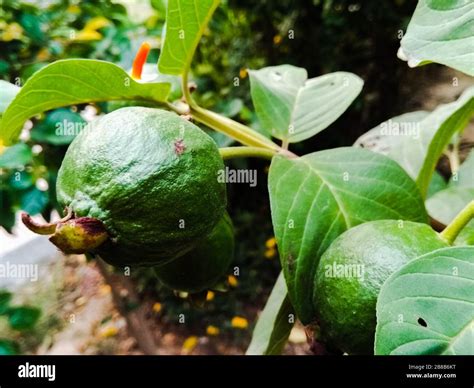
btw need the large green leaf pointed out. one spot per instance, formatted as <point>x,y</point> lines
<point>318,196</point>
<point>464,177</point>
<point>416,140</point>
<point>74,81</point>
<point>455,123</point>
<point>441,31</point>
<point>274,324</point>
<point>446,204</point>
<point>436,185</point>
<point>293,108</point>
<point>427,306</point>
<point>8,92</point>
<point>390,135</point>
<point>185,24</point>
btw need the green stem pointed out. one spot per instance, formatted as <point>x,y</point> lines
<point>185,87</point>
<point>233,129</point>
<point>460,221</point>
<point>246,152</point>
<point>453,157</point>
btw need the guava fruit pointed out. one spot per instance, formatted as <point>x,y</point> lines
<point>145,176</point>
<point>351,272</point>
<point>202,267</point>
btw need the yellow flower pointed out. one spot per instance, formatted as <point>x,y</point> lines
<point>212,330</point>
<point>243,73</point>
<point>2,147</point>
<point>270,243</point>
<point>210,295</point>
<point>277,39</point>
<point>270,253</point>
<point>190,343</point>
<point>239,323</point>
<point>157,307</point>
<point>109,331</point>
<point>232,280</point>
<point>12,32</point>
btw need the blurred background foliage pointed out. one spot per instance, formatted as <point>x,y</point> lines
<point>319,35</point>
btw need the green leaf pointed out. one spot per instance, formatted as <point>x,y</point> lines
<point>23,318</point>
<point>274,324</point>
<point>441,31</point>
<point>457,121</point>
<point>74,81</point>
<point>33,201</point>
<point>8,92</point>
<point>5,298</point>
<point>8,347</point>
<point>185,24</point>
<point>59,127</point>
<point>16,156</point>
<point>389,135</point>
<point>427,306</point>
<point>317,197</point>
<point>446,204</point>
<point>293,108</point>
<point>464,177</point>
<point>20,180</point>
<point>437,184</point>
<point>411,138</point>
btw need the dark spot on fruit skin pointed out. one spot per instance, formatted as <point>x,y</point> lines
<point>179,147</point>
<point>422,322</point>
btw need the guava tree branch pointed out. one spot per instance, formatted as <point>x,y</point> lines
<point>246,152</point>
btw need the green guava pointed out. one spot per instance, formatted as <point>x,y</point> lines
<point>202,267</point>
<point>351,272</point>
<point>146,176</point>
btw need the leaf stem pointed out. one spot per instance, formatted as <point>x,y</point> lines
<point>185,87</point>
<point>453,156</point>
<point>231,128</point>
<point>246,152</point>
<point>460,221</point>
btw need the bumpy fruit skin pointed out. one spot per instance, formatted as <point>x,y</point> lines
<point>201,268</point>
<point>150,177</point>
<point>345,302</point>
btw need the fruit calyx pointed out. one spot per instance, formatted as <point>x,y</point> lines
<point>70,234</point>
